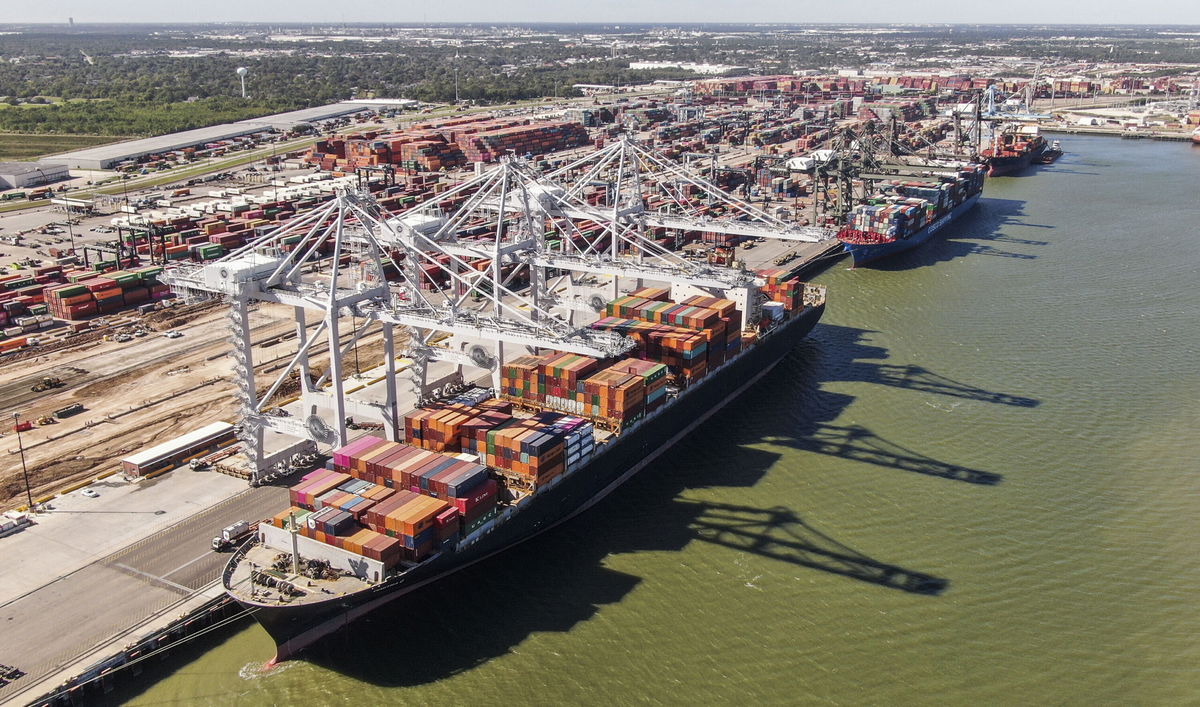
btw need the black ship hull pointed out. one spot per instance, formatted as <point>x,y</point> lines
<point>295,627</point>
<point>1000,166</point>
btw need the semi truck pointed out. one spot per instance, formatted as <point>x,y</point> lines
<point>232,535</point>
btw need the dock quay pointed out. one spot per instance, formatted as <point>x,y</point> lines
<point>1172,136</point>
<point>210,610</point>
<point>95,576</point>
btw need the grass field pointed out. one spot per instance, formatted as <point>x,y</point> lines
<point>23,146</point>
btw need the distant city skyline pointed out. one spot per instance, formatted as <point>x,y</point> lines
<point>1155,12</point>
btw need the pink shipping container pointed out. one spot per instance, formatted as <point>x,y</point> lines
<point>342,456</point>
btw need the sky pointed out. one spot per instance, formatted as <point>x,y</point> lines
<point>414,11</point>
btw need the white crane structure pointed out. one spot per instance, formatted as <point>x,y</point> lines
<point>459,287</point>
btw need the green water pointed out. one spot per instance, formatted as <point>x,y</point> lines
<point>1009,413</point>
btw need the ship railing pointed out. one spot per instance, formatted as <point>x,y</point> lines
<point>234,561</point>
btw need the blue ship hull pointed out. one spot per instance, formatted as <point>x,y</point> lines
<point>866,253</point>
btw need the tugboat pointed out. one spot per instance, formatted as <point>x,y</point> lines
<point>1051,154</point>
<point>1196,136</point>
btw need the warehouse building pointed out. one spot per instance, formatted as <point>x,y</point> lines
<point>180,450</point>
<point>108,156</point>
<point>18,175</point>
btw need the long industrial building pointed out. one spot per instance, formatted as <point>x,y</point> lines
<point>18,175</point>
<point>106,156</point>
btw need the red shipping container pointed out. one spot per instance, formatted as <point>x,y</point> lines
<point>482,498</point>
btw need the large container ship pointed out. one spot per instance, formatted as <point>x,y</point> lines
<point>491,468</point>
<point>1015,147</point>
<point>905,213</point>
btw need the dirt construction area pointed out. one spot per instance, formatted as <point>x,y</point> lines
<point>134,394</point>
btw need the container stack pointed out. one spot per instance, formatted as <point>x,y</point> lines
<point>314,485</point>
<point>402,466</point>
<point>440,428</point>
<point>784,288</point>
<point>656,294</point>
<point>615,396</point>
<point>431,154</point>
<point>91,295</point>
<point>663,312</point>
<point>477,507</point>
<point>527,450</point>
<point>560,378</point>
<point>535,139</point>
<point>561,382</point>
<point>437,430</point>
<point>418,497</point>
<point>654,378</point>
<point>893,221</point>
<point>410,518</point>
<point>684,351</point>
<point>732,318</point>
<point>528,380</point>
<point>472,438</point>
<point>355,496</point>
<point>350,537</point>
<point>579,438</point>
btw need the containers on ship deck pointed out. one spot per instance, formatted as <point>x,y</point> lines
<point>305,493</point>
<point>410,518</point>
<point>339,530</point>
<point>523,448</point>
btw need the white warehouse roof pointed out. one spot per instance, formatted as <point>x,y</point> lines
<point>105,156</point>
<point>181,442</point>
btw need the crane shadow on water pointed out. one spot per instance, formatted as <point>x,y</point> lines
<point>780,534</point>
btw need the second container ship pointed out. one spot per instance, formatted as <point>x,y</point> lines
<point>1015,147</point>
<point>906,213</point>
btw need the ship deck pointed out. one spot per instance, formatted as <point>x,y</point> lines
<point>260,557</point>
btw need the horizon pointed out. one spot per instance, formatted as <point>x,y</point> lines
<point>609,12</point>
<point>617,24</point>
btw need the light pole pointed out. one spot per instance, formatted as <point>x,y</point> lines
<point>21,447</point>
<point>455,79</point>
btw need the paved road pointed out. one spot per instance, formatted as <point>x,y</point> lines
<point>48,627</point>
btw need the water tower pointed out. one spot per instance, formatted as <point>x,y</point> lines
<point>241,72</point>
